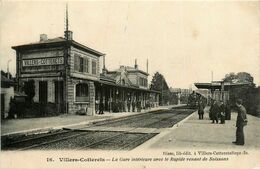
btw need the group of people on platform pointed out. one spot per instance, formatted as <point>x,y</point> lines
<point>220,111</point>
<point>122,106</point>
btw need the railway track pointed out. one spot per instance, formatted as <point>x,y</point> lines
<point>58,134</point>
<point>116,140</point>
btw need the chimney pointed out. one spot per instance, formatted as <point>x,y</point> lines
<point>104,70</point>
<point>43,37</point>
<point>147,66</point>
<point>136,66</point>
<point>68,35</point>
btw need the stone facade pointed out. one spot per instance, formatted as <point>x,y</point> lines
<point>73,105</point>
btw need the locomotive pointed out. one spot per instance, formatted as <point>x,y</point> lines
<point>194,99</point>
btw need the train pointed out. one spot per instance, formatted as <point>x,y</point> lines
<point>194,98</point>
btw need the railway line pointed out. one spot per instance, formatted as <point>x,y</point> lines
<point>85,138</point>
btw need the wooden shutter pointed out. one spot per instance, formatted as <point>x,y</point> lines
<point>76,62</point>
<point>80,64</point>
<point>87,70</point>
<point>84,64</point>
<point>94,67</point>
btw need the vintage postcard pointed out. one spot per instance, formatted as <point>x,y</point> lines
<point>130,84</point>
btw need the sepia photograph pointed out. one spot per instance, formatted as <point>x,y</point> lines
<point>130,84</point>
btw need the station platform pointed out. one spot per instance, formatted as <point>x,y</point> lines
<point>45,124</point>
<point>202,134</point>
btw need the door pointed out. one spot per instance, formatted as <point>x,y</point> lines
<point>59,96</point>
<point>58,92</point>
<point>43,92</point>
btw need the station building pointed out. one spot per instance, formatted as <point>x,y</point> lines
<point>67,74</point>
<point>126,87</point>
<point>63,71</point>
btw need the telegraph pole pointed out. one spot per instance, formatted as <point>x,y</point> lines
<point>162,90</point>
<point>66,54</point>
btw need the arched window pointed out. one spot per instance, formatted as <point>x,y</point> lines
<point>82,92</point>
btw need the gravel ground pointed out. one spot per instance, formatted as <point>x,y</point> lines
<point>42,138</point>
<point>153,120</point>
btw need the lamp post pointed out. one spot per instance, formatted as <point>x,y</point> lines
<point>8,68</point>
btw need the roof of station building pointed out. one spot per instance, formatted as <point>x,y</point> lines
<point>108,80</point>
<point>128,69</point>
<point>57,42</point>
<point>217,84</point>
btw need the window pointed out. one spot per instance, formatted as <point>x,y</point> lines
<point>76,62</point>
<point>85,65</point>
<point>82,94</point>
<point>81,64</point>
<point>143,81</point>
<point>94,67</point>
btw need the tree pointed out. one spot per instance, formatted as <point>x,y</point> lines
<point>241,77</point>
<point>230,77</point>
<point>244,92</point>
<point>158,83</point>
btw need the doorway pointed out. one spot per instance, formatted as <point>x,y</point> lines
<point>58,92</point>
<point>43,92</point>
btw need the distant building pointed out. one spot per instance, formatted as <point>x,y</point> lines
<point>182,91</point>
<point>182,94</point>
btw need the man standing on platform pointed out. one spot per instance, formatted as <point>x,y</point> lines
<point>101,107</point>
<point>228,111</point>
<point>200,109</point>
<point>222,112</point>
<point>128,104</point>
<point>215,110</point>
<point>241,122</point>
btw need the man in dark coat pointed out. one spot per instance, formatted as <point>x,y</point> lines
<point>210,109</point>
<point>128,105</point>
<point>101,107</point>
<point>228,111</point>
<point>222,112</point>
<point>241,122</point>
<point>133,106</point>
<point>200,109</point>
<point>215,110</point>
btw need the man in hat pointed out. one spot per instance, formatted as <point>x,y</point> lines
<point>241,122</point>
<point>215,110</point>
<point>200,109</point>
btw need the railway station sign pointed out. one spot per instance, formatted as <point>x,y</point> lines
<point>43,61</point>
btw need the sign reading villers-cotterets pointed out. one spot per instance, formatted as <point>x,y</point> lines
<point>43,61</point>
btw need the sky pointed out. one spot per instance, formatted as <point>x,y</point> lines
<point>185,41</point>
